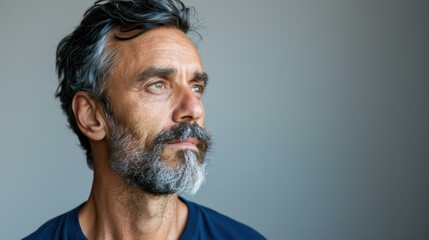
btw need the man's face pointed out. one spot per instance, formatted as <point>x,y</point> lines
<point>157,137</point>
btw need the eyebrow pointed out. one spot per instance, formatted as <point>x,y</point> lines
<point>168,72</point>
<point>201,77</point>
<point>156,72</point>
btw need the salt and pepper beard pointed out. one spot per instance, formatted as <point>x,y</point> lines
<point>143,165</point>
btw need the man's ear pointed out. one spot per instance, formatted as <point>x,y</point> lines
<point>88,116</point>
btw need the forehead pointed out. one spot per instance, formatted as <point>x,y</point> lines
<point>161,47</point>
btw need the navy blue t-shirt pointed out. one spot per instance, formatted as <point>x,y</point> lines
<point>203,223</point>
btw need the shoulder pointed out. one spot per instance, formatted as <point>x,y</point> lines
<point>64,226</point>
<point>49,230</point>
<point>210,224</point>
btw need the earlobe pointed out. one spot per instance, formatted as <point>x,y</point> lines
<point>88,117</point>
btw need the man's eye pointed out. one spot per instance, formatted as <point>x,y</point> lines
<point>197,89</point>
<point>157,85</point>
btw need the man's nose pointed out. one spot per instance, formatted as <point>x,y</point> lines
<point>188,107</point>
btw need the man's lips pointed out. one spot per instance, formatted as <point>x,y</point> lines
<point>187,143</point>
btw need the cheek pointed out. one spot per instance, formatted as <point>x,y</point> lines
<point>150,121</point>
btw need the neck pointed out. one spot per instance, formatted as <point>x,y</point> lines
<point>115,210</point>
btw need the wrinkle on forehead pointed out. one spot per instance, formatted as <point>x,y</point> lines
<point>173,40</point>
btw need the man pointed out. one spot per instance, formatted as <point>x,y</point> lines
<point>131,83</point>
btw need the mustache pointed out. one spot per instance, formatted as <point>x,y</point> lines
<point>183,131</point>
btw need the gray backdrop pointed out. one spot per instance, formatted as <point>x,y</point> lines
<point>319,110</point>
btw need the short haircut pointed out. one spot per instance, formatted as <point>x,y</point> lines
<point>82,60</point>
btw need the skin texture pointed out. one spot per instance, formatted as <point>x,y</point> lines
<point>150,103</point>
